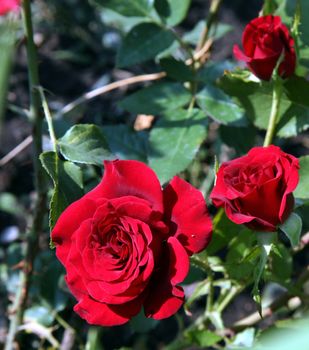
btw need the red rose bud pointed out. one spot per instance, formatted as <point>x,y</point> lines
<point>265,40</point>
<point>8,5</point>
<point>256,189</point>
<point>126,244</point>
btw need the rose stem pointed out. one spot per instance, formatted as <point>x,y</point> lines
<point>274,113</point>
<point>36,119</point>
<point>213,11</point>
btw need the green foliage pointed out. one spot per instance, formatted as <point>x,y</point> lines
<point>172,12</point>
<point>174,141</point>
<point>177,70</point>
<point>265,240</point>
<point>126,143</point>
<point>302,190</point>
<point>218,105</point>
<point>8,29</point>
<point>68,183</point>
<point>144,42</point>
<point>256,99</point>
<point>292,228</point>
<point>203,338</point>
<point>128,8</point>
<point>157,98</point>
<point>86,144</point>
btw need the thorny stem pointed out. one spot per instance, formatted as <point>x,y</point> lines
<point>39,179</point>
<point>203,263</point>
<point>213,11</point>
<point>274,113</point>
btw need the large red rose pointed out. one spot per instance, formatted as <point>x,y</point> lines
<point>264,40</point>
<point>126,244</point>
<point>256,189</point>
<point>8,5</point>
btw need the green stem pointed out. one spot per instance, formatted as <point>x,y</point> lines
<point>274,113</point>
<point>213,11</point>
<point>203,263</point>
<point>228,298</point>
<point>49,119</point>
<point>36,119</point>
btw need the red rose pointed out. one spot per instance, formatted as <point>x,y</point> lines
<point>126,244</point>
<point>8,5</point>
<point>256,189</point>
<point>264,40</point>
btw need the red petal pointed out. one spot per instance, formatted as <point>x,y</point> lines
<point>107,315</point>
<point>165,302</point>
<point>179,263</point>
<point>240,55</point>
<point>129,178</point>
<point>186,208</point>
<point>68,222</point>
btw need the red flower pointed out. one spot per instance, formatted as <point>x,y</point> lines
<point>264,40</point>
<point>126,244</point>
<point>8,5</point>
<point>256,189</point>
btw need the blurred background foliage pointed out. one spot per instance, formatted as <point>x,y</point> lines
<point>177,122</point>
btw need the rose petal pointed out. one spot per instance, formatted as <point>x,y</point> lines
<point>68,222</point>
<point>129,178</point>
<point>107,315</point>
<point>186,208</point>
<point>165,302</point>
<point>240,55</point>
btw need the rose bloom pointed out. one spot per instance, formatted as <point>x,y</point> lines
<point>265,39</point>
<point>256,189</point>
<point>126,244</point>
<point>8,5</point>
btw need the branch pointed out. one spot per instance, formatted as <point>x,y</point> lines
<point>293,303</point>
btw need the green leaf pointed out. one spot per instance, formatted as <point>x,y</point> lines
<point>157,98</point>
<point>126,143</point>
<point>265,240</point>
<point>242,139</point>
<point>280,256</point>
<point>175,140</point>
<point>8,29</point>
<point>142,324</point>
<point>10,204</point>
<point>86,144</point>
<point>302,190</point>
<point>292,228</point>
<point>172,11</point>
<point>177,70</point>
<point>219,105</point>
<point>256,99</point>
<point>68,183</point>
<point>143,43</point>
<point>138,8</point>
<point>202,337</point>
<point>194,35</point>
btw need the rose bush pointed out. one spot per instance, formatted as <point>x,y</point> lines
<point>8,5</point>
<point>264,40</point>
<point>126,244</point>
<point>256,189</point>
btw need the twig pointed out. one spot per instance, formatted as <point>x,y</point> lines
<point>39,178</point>
<point>293,303</point>
<point>213,11</point>
<point>113,86</point>
<point>17,150</point>
<point>285,299</point>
